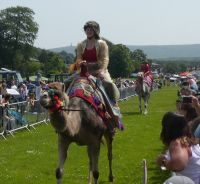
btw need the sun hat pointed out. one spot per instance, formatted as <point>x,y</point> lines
<point>94,25</point>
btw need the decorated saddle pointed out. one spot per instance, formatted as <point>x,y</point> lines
<point>90,89</point>
<point>86,89</point>
<point>148,80</point>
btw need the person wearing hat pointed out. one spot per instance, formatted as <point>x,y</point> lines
<point>146,69</point>
<point>93,52</point>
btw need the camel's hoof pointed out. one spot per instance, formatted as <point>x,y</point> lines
<point>111,178</point>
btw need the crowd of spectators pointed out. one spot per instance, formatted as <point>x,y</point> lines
<point>121,83</point>
<point>25,95</point>
<point>22,91</point>
<point>181,134</point>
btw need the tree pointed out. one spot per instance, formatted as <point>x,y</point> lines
<point>55,65</point>
<point>171,67</point>
<point>17,34</point>
<point>52,63</point>
<point>32,67</point>
<point>67,57</point>
<point>120,64</point>
<point>138,56</point>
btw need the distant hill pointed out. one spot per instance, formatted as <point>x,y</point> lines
<point>68,49</point>
<point>156,51</point>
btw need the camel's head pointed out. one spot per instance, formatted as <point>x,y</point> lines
<point>140,76</point>
<point>54,98</point>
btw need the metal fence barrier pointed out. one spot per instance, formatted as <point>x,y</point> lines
<point>22,115</point>
<point>25,115</point>
<point>126,92</point>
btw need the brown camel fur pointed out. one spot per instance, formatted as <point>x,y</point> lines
<point>77,122</point>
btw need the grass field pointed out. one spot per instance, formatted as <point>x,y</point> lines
<point>31,157</point>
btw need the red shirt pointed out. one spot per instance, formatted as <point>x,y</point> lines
<point>90,55</point>
<point>145,68</point>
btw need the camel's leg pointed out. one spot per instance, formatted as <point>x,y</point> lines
<point>63,145</point>
<point>109,140</point>
<point>90,177</point>
<point>145,105</point>
<point>140,103</point>
<point>94,158</point>
<point>146,101</point>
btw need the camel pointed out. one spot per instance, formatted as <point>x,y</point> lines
<point>76,121</point>
<point>143,91</point>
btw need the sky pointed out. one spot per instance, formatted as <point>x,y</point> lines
<point>129,22</point>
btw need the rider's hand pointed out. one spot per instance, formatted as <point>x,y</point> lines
<point>79,62</point>
<point>101,75</point>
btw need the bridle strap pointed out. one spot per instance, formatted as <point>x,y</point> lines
<point>65,109</point>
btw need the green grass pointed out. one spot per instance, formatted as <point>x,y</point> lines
<point>31,157</point>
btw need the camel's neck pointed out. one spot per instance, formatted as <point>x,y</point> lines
<point>65,120</point>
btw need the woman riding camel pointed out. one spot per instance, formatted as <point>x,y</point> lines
<point>146,69</point>
<point>93,52</point>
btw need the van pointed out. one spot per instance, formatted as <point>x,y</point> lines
<point>10,75</point>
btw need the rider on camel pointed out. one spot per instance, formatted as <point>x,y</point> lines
<point>93,52</point>
<point>146,69</point>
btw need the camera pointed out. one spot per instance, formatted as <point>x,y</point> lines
<point>186,99</point>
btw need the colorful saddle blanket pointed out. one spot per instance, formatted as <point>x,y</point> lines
<point>84,88</point>
<point>148,80</point>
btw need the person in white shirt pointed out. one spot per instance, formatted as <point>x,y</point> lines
<point>13,85</point>
<point>183,155</point>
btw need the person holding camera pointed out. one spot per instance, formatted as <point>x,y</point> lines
<point>186,90</point>
<point>187,109</point>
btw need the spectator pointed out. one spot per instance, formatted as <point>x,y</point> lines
<point>8,121</point>
<point>188,111</point>
<point>178,106</point>
<point>195,127</point>
<point>3,90</point>
<point>31,102</point>
<point>193,84</point>
<point>23,91</point>
<point>13,85</point>
<point>196,104</point>
<point>44,86</point>
<point>186,90</point>
<point>38,91</point>
<point>183,155</point>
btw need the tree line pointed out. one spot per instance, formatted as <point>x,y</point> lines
<point>18,31</point>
